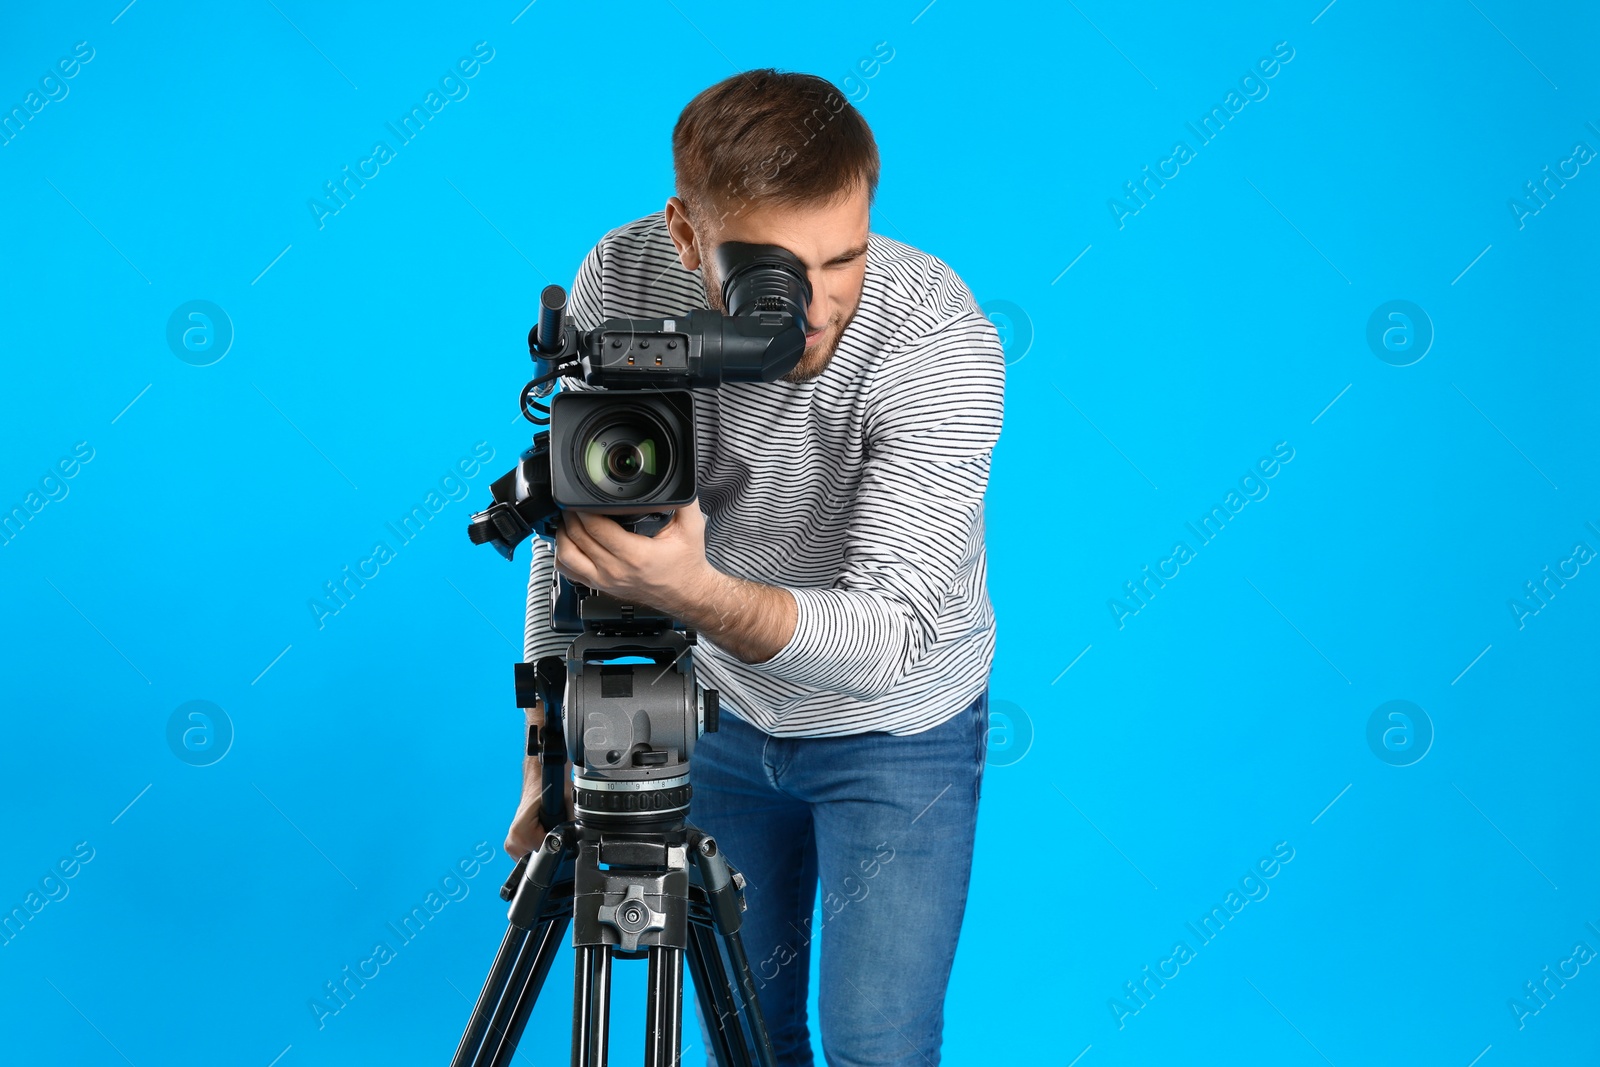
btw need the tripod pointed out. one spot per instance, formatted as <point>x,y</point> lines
<point>630,875</point>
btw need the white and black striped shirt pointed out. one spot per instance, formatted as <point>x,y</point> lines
<point>860,491</point>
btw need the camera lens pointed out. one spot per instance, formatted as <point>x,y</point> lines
<point>626,453</point>
<point>624,461</point>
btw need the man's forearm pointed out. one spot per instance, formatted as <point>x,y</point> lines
<point>748,620</point>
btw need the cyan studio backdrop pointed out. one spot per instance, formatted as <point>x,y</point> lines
<point>1292,527</point>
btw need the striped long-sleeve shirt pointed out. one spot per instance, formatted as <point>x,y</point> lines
<point>860,491</point>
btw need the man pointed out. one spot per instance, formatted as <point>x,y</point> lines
<point>833,567</point>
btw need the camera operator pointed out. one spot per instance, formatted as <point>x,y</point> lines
<point>833,568</point>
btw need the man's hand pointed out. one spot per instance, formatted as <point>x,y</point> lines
<point>527,828</point>
<point>669,572</point>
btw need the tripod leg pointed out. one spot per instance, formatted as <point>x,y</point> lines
<point>493,988</point>
<point>716,999</point>
<point>524,955</point>
<point>747,992</point>
<point>537,943</point>
<point>545,943</point>
<point>591,1008</point>
<point>726,902</point>
<point>663,1038</point>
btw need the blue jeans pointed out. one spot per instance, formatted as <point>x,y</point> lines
<point>884,824</point>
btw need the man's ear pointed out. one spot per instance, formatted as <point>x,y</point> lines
<point>683,235</point>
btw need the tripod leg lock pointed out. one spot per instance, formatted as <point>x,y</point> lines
<point>543,866</point>
<point>724,886</point>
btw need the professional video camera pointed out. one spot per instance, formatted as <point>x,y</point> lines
<point>629,450</point>
<point>627,870</point>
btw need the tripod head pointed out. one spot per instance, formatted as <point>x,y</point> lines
<point>623,707</point>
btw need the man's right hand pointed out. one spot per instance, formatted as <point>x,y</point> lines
<point>528,830</point>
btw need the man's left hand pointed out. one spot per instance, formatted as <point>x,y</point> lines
<point>668,572</point>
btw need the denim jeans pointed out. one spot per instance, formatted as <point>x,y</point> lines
<point>884,826</point>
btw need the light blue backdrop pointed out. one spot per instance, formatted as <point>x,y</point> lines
<point>1435,860</point>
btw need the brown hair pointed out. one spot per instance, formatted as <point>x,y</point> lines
<point>770,137</point>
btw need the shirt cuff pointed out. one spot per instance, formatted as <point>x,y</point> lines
<point>823,624</point>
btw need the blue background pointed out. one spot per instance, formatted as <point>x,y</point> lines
<point>1128,794</point>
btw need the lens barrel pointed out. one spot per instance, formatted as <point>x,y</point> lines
<point>627,451</point>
